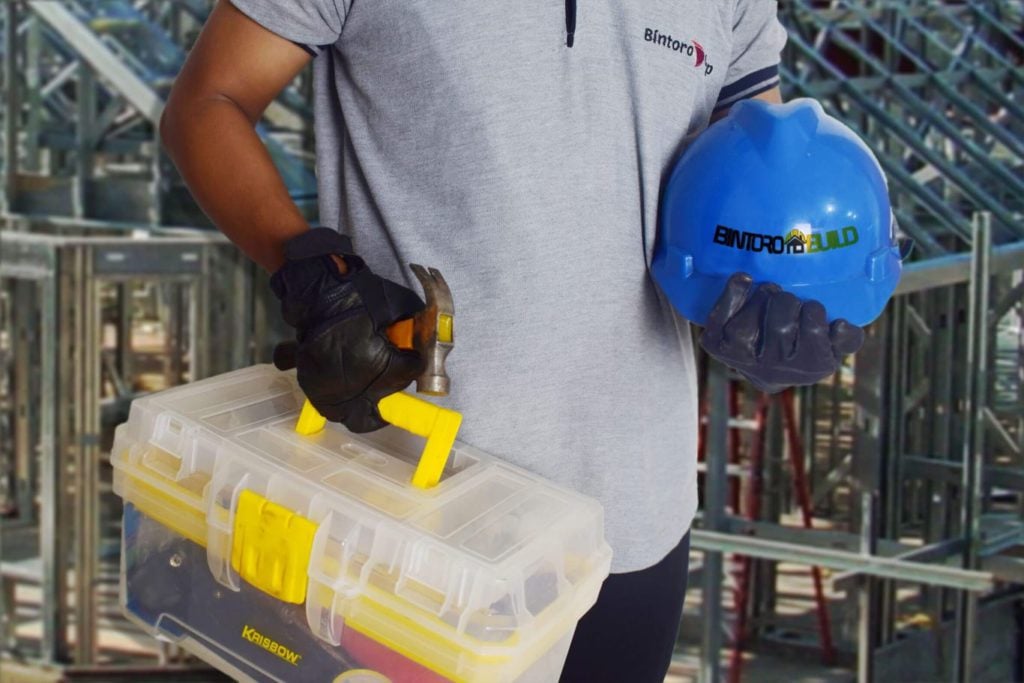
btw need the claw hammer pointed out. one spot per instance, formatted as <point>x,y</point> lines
<point>431,333</point>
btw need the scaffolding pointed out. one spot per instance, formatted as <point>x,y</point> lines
<point>901,479</point>
<point>85,84</point>
<point>69,326</point>
<point>914,451</point>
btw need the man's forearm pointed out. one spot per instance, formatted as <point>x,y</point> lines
<point>235,69</point>
<point>232,176</point>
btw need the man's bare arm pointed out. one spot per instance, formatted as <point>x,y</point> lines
<point>234,71</point>
<point>774,96</point>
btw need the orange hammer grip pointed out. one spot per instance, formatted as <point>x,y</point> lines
<point>400,333</point>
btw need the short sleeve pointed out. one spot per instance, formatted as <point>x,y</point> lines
<point>310,24</point>
<point>758,39</point>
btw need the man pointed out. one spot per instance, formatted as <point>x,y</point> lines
<point>518,147</point>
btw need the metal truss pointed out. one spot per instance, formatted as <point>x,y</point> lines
<point>85,84</point>
<point>936,90</point>
<point>70,382</point>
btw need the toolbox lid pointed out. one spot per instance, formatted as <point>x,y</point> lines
<point>491,559</point>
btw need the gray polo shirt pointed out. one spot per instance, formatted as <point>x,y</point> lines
<point>469,137</point>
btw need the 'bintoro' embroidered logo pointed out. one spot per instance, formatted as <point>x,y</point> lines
<point>690,49</point>
<point>270,645</point>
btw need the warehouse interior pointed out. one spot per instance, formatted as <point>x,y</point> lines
<point>867,528</point>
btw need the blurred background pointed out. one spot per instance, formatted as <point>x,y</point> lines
<point>869,528</point>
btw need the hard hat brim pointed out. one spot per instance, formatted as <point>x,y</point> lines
<point>859,302</point>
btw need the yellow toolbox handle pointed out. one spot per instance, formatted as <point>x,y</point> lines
<point>436,424</point>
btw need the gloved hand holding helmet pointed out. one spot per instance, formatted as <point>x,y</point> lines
<point>775,339</point>
<point>777,234</point>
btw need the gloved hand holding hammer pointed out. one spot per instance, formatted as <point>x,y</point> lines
<point>341,311</point>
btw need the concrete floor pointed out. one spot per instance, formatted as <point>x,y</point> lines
<point>791,655</point>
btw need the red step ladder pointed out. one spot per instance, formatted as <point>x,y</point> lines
<point>751,504</point>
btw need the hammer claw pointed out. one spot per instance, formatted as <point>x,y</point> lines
<point>425,280</point>
<point>434,379</point>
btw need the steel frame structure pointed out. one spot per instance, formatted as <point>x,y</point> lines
<point>935,89</point>
<point>84,87</point>
<point>62,380</point>
<point>914,452</point>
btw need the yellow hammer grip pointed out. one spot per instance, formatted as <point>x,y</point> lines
<point>437,425</point>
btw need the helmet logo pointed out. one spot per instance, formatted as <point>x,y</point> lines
<point>796,241</point>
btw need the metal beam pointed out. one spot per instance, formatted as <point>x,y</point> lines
<point>715,492</point>
<point>842,560</point>
<point>12,105</point>
<point>956,268</point>
<point>94,51</point>
<point>951,472</point>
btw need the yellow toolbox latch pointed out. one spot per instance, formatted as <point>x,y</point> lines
<point>270,547</point>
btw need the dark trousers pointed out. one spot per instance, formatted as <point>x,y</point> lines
<point>629,634</point>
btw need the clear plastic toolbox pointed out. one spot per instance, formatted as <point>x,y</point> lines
<point>282,557</point>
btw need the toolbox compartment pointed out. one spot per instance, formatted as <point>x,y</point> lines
<point>280,557</point>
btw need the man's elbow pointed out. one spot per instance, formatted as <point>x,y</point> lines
<point>180,115</point>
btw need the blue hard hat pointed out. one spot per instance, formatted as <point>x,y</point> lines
<point>788,194</point>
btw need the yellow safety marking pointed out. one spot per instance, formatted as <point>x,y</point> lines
<point>270,547</point>
<point>439,426</point>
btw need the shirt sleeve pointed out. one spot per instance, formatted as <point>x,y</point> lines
<point>311,24</point>
<point>758,39</point>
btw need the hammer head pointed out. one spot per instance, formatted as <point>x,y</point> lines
<point>434,331</point>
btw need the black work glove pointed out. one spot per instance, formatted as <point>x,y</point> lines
<point>775,339</point>
<point>345,362</point>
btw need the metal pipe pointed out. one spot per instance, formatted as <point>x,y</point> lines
<point>743,576</point>
<point>973,453</point>
<point>715,493</point>
<point>13,106</point>
<point>53,645</point>
<point>23,345</point>
<point>954,269</point>
<point>85,134</point>
<point>86,436</point>
<point>841,560</point>
<point>40,224</point>
<point>803,496</point>
<point>35,106</point>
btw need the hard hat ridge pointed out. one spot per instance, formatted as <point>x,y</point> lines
<point>782,133</point>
